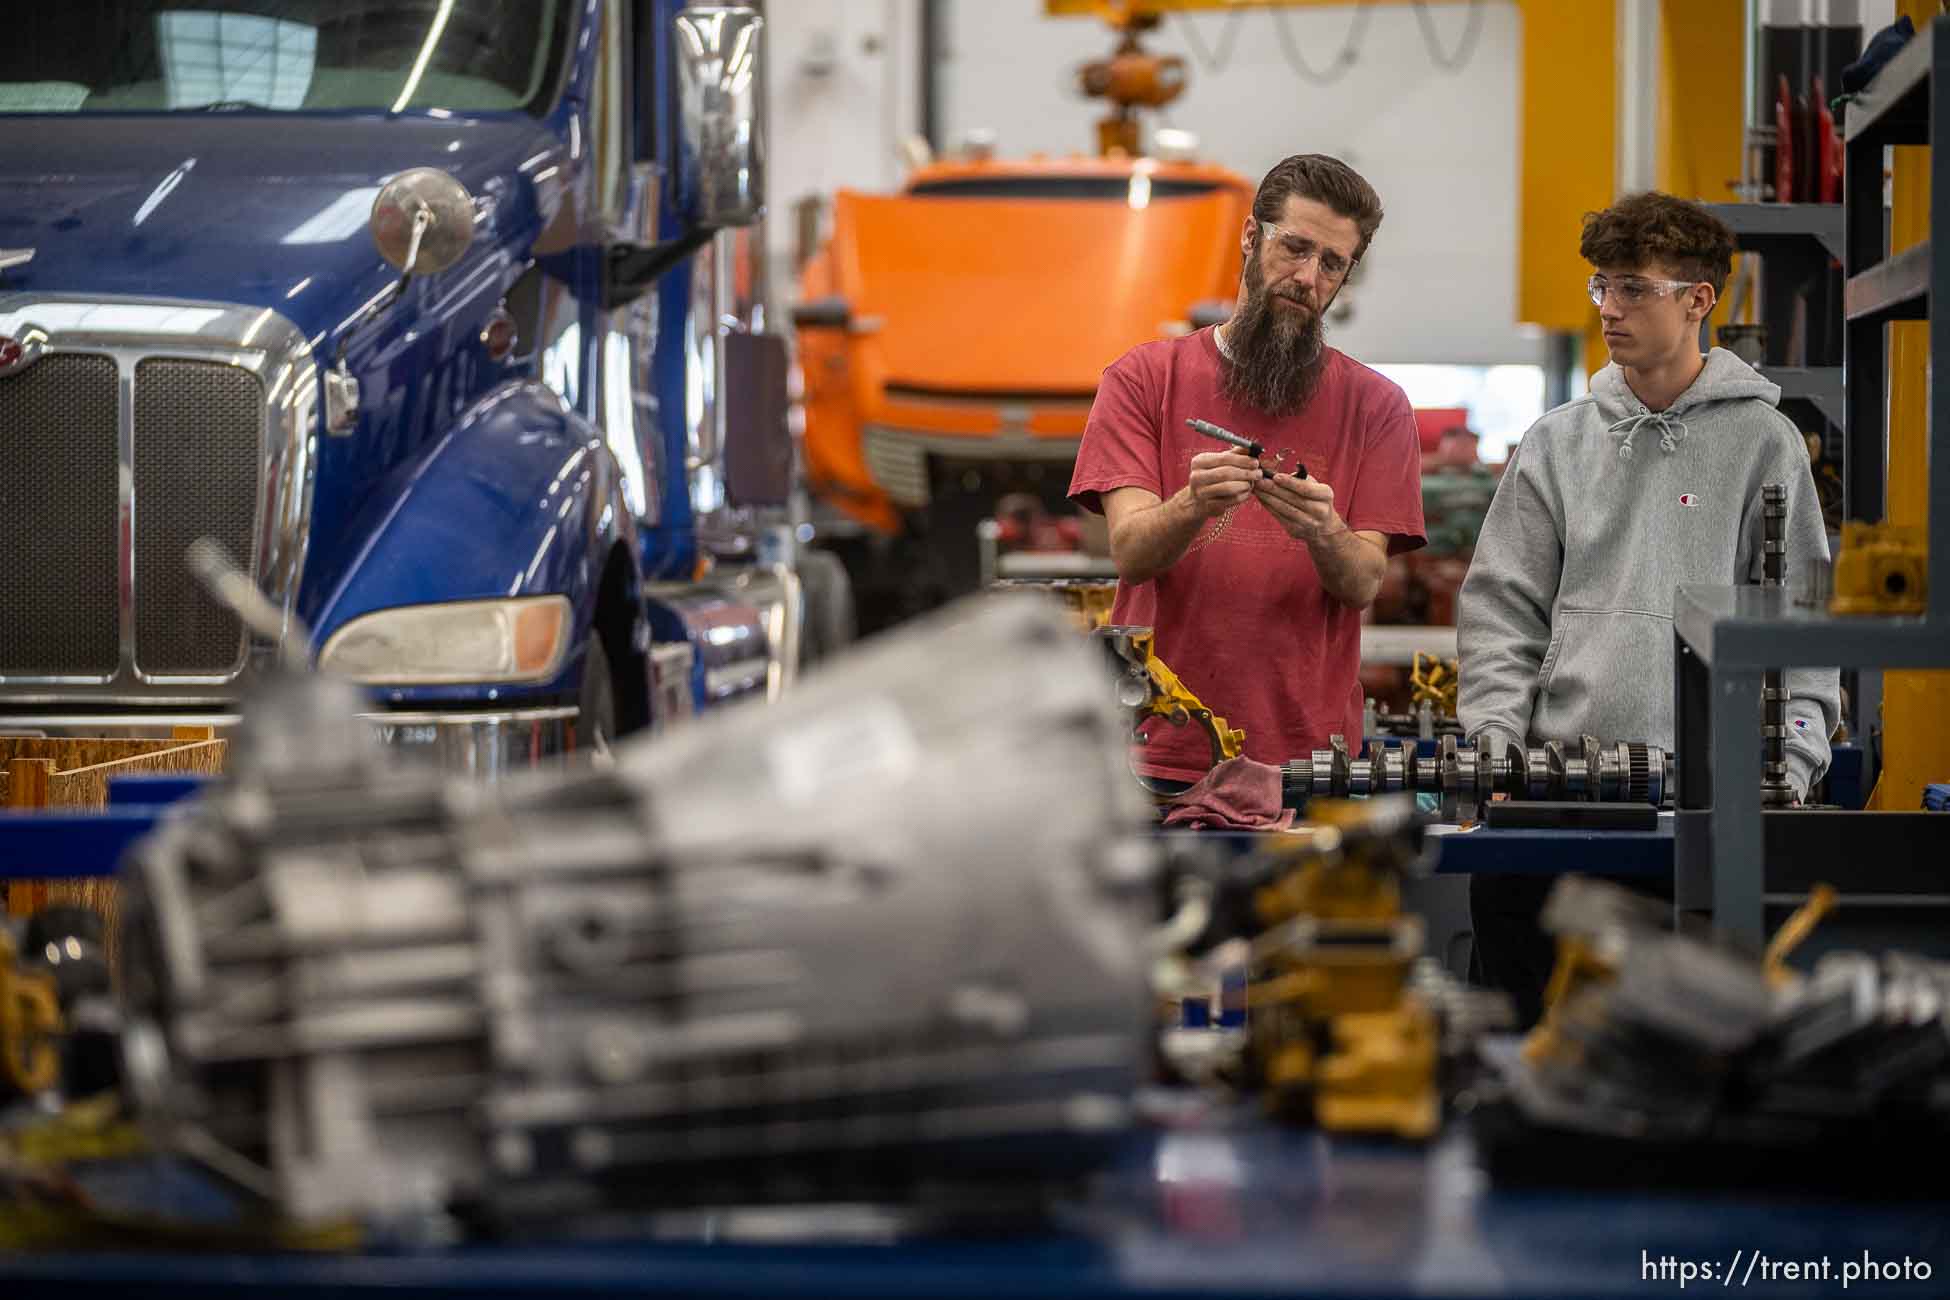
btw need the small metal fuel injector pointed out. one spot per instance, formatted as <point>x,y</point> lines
<point>1246,445</point>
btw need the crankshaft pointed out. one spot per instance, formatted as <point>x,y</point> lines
<point>1466,775</point>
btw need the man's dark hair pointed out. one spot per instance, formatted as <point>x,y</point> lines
<point>1655,227</point>
<point>1324,179</point>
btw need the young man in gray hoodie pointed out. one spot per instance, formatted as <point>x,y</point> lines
<point>1651,481</point>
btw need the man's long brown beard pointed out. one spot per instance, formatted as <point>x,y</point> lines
<point>1274,355</point>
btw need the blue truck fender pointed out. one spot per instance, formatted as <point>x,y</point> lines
<point>521,497</point>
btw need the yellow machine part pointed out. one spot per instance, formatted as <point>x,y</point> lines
<point>1336,876</point>
<point>1578,967</point>
<point>1289,1068</point>
<point>1881,569</point>
<point>1794,932</point>
<point>30,1022</point>
<point>1088,603</point>
<point>1380,1077</point>
<point>44,1212</point>
<point>1319,989</point>
<point>1376,1075</point>
<point>1436,681</point>
<point>1339,1035</point>
<point>1338,891</point>
<point>1173,701</point>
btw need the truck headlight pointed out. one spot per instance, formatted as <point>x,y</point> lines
<point>521,640</point>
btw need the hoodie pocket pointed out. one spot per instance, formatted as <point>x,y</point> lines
<point>1607,673</point>
<point>1548,668</point>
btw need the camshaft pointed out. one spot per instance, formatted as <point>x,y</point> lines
<point>1775,790</point>
<point>1467,775</point>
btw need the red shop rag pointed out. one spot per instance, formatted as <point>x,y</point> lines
<point>1239,794</point>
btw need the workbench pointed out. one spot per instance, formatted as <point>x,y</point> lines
<point>1241,1210</point>
<point>1220,1203</point>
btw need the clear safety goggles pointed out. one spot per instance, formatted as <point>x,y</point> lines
<point>1632,290</point>
<point>1294,249</point>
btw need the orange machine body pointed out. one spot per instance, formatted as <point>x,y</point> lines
<point>971,314</point>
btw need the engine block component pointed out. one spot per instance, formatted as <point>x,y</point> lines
<point>1467,775</point>
<point>1344,1027</point>
<point>881,933</point>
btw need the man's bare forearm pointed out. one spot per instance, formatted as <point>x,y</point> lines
<point>1152,539</point>
<point>1350,566</point>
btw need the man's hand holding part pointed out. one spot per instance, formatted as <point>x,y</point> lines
<point>1221,480</point>
<point>1351,564</point>
<point>1302,506</point>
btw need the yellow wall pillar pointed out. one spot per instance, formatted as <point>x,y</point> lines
<point>1702,53</point>
<point>1915,705</point>
<point>1701,121</point>
<point>1569,141</point>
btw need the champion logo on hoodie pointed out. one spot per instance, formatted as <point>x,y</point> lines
<point>1688,500</point>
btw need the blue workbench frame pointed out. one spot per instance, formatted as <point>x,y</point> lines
<point>1241,1211</point>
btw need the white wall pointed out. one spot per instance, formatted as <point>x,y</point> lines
<point>843,91</point>
<point>1439,284</point>
<point>1440,146</point>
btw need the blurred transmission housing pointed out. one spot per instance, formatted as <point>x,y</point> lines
<point>879,937</point>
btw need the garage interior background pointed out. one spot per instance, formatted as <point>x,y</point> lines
<point>1420,99</point>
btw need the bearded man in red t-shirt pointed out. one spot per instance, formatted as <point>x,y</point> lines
<point>1255,581</point>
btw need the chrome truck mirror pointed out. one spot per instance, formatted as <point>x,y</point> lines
<point>721,164</point>
<point>422,221</point>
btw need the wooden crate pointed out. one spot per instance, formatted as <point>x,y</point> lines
<point>71,774</point>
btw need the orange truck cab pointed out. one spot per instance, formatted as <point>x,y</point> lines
<point>951,335</point>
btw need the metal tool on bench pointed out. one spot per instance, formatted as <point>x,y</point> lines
<point>711,973</point>
<point>1466,775</point>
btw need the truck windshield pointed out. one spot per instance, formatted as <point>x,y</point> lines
<point>146,56</point>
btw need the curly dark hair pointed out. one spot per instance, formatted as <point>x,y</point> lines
<point>1655,227</point>
<point>1325,179</point>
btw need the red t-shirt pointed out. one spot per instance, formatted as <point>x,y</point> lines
<point>1242,617</point>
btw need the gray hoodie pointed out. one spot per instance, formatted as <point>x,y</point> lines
<point>1565,621</point>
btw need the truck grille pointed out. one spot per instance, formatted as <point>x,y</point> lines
<point>198,448</point>
<point>899,463</point>
<point>197,427</point>
<point>58,519</point>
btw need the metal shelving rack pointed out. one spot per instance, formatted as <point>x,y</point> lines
<point>1725,637</point>
<point>1796,242</point>
<point>1896,108</point>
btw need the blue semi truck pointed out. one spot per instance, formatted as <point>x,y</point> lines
<point>443,317</point>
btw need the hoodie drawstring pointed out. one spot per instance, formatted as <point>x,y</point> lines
<point>1671,431</point>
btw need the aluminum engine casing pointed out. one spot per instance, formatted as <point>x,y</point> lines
<point>885,931</point>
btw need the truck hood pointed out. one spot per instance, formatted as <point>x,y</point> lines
<point>973,296</point>
<point>262,210</point>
